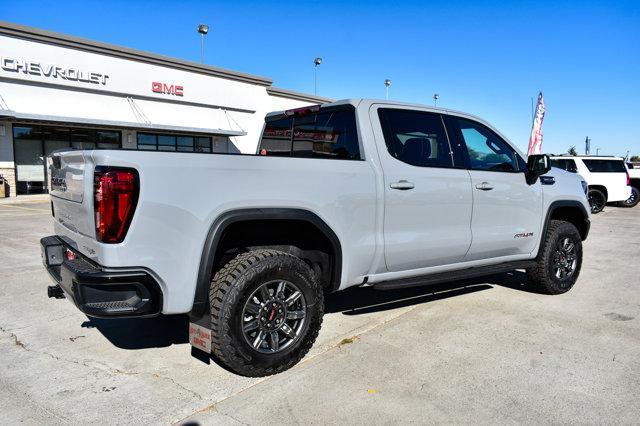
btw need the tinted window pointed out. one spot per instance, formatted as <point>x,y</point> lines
<point>415,137</point>
<point>276,137</point>
<point>565,164</point>
<point>328,134</point>
<point>605,166</point>
<point>487,151</point>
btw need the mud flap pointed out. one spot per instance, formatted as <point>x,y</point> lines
<point>200,338</point>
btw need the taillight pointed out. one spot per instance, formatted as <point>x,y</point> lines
<point>628,179</point>
<point>115,197</point>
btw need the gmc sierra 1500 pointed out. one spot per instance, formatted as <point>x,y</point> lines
<point>351,193</point>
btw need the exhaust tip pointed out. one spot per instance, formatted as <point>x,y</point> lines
<point>55,291</point>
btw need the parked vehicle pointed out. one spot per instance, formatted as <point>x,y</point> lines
<point>606,177</point>
<point>634,182</point>
<point>351,193</point>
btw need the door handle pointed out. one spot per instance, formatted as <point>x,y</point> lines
<point>484,186</point>
<point>402,185</point>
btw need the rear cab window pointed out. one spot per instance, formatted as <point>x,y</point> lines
<point>327,133</point>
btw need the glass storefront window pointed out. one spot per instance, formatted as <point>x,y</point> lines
<point>203,144</point>
<point>166,143</point>
<point>185,143</point>
<point>31,144</point>
<point>182,143</point>
<point>147,142</point>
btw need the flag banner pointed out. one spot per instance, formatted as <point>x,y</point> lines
<point>535,141</point>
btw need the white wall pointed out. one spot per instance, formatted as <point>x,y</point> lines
<point>76,99</point>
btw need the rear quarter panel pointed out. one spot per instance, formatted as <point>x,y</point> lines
<point>181,195</point>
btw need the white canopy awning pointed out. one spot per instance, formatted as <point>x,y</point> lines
<point>49,104</point>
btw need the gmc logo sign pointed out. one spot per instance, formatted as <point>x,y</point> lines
<point>167,89</point>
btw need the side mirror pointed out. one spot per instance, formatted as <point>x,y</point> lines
<point>537,165</point>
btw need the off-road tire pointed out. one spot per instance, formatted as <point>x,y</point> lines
<point>231,287</point>
<point>542,276</point>
<point>598,196</point>
<point>635,198</point>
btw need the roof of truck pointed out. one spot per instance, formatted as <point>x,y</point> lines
<point>366,103</point>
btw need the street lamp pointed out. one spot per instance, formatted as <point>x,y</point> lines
<point>203,29</point>
<point>435,99</point>
<point>387,83</point>
<point>316,63</point>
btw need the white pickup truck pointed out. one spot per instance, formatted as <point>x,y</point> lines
<point>351,193</point>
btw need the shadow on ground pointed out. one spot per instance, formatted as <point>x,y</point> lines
<point>162,331</point>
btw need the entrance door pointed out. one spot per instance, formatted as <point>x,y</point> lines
<point>29,159</point>
<point>427,191</point>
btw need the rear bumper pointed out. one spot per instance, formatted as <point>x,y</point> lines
<point>99,291</point>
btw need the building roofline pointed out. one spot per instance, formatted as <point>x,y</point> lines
<point>290,94</point>
<point>43,36</point>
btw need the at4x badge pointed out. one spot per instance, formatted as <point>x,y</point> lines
<point>524,235</point>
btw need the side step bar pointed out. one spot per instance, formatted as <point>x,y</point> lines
<point>461,274</point>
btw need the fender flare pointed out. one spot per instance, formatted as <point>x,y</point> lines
<point>218,227</point>
<point>559,204</point>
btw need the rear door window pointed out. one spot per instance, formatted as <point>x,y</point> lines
<point>605,166</point>
<point>416,137</point>
<point>329,134</point>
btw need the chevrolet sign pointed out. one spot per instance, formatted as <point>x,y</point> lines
<point>52,71</point>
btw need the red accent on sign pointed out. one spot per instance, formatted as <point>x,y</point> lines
<point>167,89</point>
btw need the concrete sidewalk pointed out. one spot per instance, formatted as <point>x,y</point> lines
<point>482,351</point>
<point>22,199</point>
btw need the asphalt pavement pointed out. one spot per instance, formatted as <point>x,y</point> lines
<point>478,351</point>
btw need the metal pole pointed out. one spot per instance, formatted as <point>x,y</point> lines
<point>315,80</point>
<point>386,92</point>
<point>202,48</point>
<point>533,110</point>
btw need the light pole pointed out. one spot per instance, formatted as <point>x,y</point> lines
<point>387,83</point>
<point>203,29</point>
<point>316,63</point>
<point>435,99</point>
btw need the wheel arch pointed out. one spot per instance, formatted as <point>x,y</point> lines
<point>234,217</point>
<point>571,211</point>
<point>602,189</point>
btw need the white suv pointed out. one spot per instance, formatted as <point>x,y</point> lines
<point>607,178</point>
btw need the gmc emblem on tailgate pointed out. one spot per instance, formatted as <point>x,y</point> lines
<point>167,89</point>
<point>58,184</point>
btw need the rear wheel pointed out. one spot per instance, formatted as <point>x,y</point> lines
<point>266,312</point>
<point>632,200</point>
<point>560,259</point>
<point>597,200</point>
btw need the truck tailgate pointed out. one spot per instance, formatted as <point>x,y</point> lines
<point>71,191</point>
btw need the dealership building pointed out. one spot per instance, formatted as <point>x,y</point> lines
<point>59,91</point>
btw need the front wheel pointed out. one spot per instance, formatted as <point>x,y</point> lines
<point>559,260</point>
<point>632,200</point>
<point>266,312</point>
<point>597,200</point>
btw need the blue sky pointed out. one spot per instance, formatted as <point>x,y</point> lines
<point>488,58</point>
